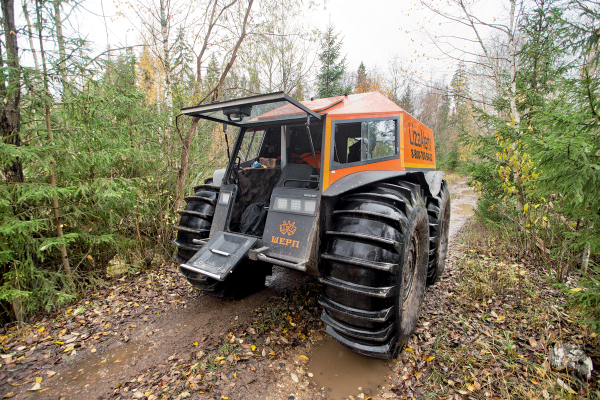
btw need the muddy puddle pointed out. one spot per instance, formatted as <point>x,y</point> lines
<point>344,373</point>
<point>465,209</point>
<point>101,367</point>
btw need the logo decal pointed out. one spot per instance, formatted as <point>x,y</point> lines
<point>288,228</point>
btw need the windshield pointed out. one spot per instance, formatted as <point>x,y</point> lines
<point>253,110</point>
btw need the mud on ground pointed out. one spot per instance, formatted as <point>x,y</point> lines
<point>152,336</point>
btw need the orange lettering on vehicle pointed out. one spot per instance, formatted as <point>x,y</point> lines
<point>285,242</point>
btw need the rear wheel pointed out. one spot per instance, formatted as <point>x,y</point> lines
<point>438,211</point>
<point>375,268</point>
<point>195,223</point>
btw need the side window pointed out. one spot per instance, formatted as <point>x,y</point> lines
<point>251,145</point>
<point>364,141</point>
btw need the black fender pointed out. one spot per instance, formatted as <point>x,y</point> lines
<point>359,179</point>
<point>434,181</point>
<point>430,181</point>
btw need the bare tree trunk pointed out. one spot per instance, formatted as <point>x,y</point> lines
<point>61,43</point>
<point>55,206</point>
<point>585,259</point>
<point>185,151</point>
<point>516,118</point>
<point>164,24</point>
<point>10,111</point>
<point>30,35</point>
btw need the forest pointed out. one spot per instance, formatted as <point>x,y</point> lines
<point>96,161</point>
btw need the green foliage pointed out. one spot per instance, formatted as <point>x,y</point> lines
<point>541,172</point>
<point>588,299</point>
<point>332,68</point>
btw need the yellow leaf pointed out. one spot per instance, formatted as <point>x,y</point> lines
<point>136,305</point>
<point>304,358</point>
<point>272,353</point>
<point>224,398</point>
<point>525,208</point>
<point>93,350</point>
<point>146,307</point>
<point>41,329</point>
<point>501,317</point>
<point>285,330</point>
<point>219,359</point>
<point>577,289</point>
<point>90,257</point>
<point>292,324</point>
<point>148,393</point>
<point>409,350</point>
<point>58,343</point>
<point>195,343</point>
<point>21,358</point>
<point>69,349</point>
<point>235,375</point>
<point>253,347</point>
<point>117,361</point>
<point>38,379</point>
<point>428,358</point>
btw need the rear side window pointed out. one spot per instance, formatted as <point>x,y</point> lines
<point>365,141</point>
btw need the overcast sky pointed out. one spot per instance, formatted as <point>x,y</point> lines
<point>373,31</point>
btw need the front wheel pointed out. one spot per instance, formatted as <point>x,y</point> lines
<point>375,268</point>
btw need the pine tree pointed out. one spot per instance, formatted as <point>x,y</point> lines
<point>332,69</point>
<point>406,101</point>
<point>362,84</point>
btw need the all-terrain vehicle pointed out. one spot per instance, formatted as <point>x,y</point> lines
<point>343,188</point>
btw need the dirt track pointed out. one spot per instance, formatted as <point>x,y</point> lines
<point>161,333</point>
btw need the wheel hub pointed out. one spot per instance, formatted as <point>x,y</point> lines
<point>410,268</point>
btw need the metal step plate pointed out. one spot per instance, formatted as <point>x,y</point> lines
<point>220,255</point>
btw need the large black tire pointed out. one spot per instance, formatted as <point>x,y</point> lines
<point>375,268</point>
<point>195,223</point>
<point>246,278</point>
<point>195,220</point>
<point>438,210</point>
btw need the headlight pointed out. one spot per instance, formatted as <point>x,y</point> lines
<point>300,206</point>
<point>224,198</point>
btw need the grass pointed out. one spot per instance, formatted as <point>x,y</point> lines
<point>499,317</point>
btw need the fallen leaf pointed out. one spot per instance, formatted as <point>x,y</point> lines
<point>38,379</point>
<point>304,358</point>
<point>93,350</point>
<point>253,347</point>
<point>565,386</point>
<point>428,358</point>
<point>50,373</point>
<point>195,343</point>
<point>8,395</point>
<point>35,387</point>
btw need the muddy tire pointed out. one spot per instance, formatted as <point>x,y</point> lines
<point>195,220</point>
<point>438,211</point>
<point>195,223</point>
<point>375,268</point>
<point>246,279</point>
